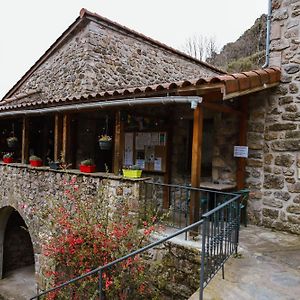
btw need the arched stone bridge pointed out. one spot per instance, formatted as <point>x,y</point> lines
<point>25,193</point>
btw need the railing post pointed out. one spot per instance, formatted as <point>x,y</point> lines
<point>203,251</point>
<point>100,284</point>
<point>238,207</point>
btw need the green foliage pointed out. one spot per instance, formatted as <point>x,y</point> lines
<point>87,162</point>
<point>246,63</point>
<point>34,157</point>
<point>89,231</point>
<point>8,155</point>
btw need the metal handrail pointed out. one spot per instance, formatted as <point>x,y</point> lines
<point>187,187</point>
<point>205,219</point>
<point>134,253</point>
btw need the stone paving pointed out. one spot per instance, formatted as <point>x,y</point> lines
<point>18,284</point>
<point>268,268</point>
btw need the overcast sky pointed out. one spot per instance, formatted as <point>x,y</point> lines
<point>29,27</point>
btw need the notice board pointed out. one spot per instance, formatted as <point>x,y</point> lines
<point>148,150</point>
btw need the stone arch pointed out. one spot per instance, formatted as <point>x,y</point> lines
<point>13,230</point>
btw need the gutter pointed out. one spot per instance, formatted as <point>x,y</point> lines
<point>267,61</point>
<point>192,100</point>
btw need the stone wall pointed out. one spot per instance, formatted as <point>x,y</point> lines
<point>101,57</point>
<point>274,130</point>
<point>226,137</point>
<point>29,191</point>
<point>176,267</point>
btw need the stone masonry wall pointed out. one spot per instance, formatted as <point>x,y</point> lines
<point>102,58</point>
<point>28,190</point>
<point>226,137</point>
<point>274,129</point>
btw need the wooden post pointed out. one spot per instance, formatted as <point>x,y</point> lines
<point>45,136</point>
<point>196,163</point>
<point>241,162</point>
<point>66,138</point>
<point>119,144</point>
<point>167,175</point>
<point>25,141</point>
<point>58,133</point>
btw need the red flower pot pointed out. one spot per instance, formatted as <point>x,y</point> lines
<point>8,160</point>
<point>87,169</point>
<point>36,163</point>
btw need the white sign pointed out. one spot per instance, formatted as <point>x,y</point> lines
<point>157,164</point>
<point>128,154</point>
<point>240,151</point>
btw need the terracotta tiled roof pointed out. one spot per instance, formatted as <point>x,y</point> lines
<point>231,85</point>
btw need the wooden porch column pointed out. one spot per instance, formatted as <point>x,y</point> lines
<point>196,163</point>
<point>119,144</point>
<point>25,141</point>
<point>66,138</point>
<point>58,133</point>
<point>241,162</point>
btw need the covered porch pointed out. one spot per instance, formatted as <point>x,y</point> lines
<point>181,132</point>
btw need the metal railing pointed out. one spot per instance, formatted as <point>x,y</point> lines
<point>176,200</point>
<point>219,229</point>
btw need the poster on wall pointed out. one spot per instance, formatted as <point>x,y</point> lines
<point>150,154</point>
<point>154,138</point>
<point>240,151</point>
<point>128,153</point>
<point>157,164</point>
<point>140,163</point>
<point>162,138</point>
<point>139,141</point>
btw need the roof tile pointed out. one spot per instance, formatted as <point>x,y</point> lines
<point>233,83</point>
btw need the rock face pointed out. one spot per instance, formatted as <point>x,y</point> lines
<point>101,57</point>
<point>274,181</point>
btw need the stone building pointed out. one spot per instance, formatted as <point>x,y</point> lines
<point>176,117</point>
<point>273,136</point>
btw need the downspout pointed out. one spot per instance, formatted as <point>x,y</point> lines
<point>267,61</point>
<point>192,100</point>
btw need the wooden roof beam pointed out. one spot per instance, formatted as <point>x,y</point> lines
<point>249,91</point>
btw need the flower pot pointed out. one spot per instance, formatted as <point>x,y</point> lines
<point>8,160</point>
<point>54,165</point>
<point>35,163</point>
<point>105,145</point>
<point>87,169</point>
<point>132,173</point>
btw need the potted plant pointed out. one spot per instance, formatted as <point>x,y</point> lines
<point>35,161</point>
<point>54,165</point>
<point>105,142</point>
<point>8,158</point>
<point>87,166</point>
<point>132,171</point>
<point>12,141</point>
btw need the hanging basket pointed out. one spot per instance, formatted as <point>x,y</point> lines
<point>105,145</point>
<point>12,142</point>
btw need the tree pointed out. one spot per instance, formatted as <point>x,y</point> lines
<point>200,47</point>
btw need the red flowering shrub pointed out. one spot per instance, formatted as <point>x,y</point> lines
<point>88,232</point>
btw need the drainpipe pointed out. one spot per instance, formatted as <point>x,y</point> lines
<point>192,100</point>
<point>267,61</point>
